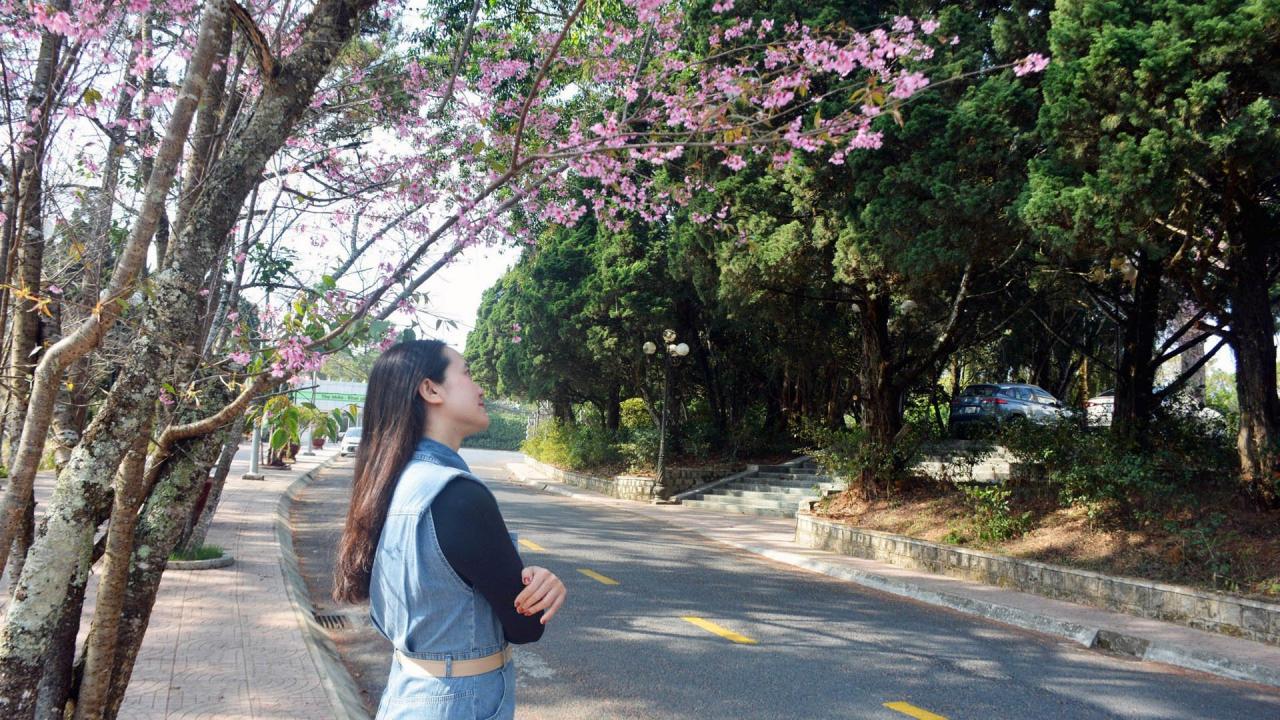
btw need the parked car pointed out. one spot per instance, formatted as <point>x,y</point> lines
<point>1098,409</point>
<point>349,442</point>
<point>994,404</point>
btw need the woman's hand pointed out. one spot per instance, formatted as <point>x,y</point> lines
<point>543,591</point>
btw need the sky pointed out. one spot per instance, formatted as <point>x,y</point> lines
<point>454,293</point>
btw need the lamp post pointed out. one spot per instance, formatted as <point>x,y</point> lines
<point>306,444</point>
<point>254,454</point>
<point>673,351</point>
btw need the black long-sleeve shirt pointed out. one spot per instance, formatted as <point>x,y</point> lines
<point>475,541</point>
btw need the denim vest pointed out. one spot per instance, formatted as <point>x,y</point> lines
<point>419,603</point>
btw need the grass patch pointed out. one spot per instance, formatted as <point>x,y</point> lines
<point>204,552</point>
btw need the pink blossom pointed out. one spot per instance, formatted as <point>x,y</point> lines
<point>166,399</point>
<point>908,84</point>
<point>515,339</point>
<point>55,290</point>
<point>1033,63</point>
<point>240,358</point>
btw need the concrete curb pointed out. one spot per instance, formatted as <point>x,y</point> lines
<point>1218,613</point>
<point>341,689</point>
<point>552,487</point>
<point>1096,638</point>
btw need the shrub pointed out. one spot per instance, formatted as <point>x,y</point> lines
<point>633,415</point>
<point>1178,458</point>
<point>640,449</point>
<point>698,436</point>
<point>548,443</point>
<point>848,453</point>
<point>992,517</point>
<point>506,432</point>
<point>575,447</point>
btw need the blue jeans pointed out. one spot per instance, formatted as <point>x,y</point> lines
<point>413,695</point>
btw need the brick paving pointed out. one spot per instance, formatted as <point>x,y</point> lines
<point>226,644</point>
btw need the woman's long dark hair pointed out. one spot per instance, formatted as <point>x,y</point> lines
<point>394,419</point>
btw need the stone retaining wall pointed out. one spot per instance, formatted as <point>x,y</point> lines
<point>1215,612</point>
<point>633,487</point>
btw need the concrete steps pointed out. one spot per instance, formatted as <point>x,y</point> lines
<point>770,491</point>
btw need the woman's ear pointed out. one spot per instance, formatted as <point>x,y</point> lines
<point>428,392</point>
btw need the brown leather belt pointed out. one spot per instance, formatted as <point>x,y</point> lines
<point>456,668</point>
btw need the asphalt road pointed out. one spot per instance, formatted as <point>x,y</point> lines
<point>692,629</point>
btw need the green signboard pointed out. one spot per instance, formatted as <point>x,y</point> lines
<point>340,397</point>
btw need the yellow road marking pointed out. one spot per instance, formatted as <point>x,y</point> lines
<point>532,545</point>
<point>913,711</point>
<point>597,576</point>
<point>722,632</point>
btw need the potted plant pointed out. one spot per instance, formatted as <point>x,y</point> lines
<point>323,425</point>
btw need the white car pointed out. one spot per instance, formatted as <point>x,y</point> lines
<point>349,442</point>
<point>1098,409</point>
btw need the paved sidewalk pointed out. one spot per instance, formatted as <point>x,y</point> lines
<point>227,643</point>
<point>774,538</point>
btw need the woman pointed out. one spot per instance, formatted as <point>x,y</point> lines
<point>426,545</point>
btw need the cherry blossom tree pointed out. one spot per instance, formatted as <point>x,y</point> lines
<point>291,193</point>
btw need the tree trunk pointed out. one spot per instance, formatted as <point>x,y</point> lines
<point>100,647</point>
<point>48,374</point>
<point>1253,342</point>
<point>29,235</point>
<point>562,410</point>
<point>200,528</point>
<point>159,529</point>
<point>55,686</point>
<point>71,412</point>
<point>1135,374</point>
<point>880,396</point>
<point>62,553</point>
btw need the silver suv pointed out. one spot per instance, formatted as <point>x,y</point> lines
<point>993,404</point>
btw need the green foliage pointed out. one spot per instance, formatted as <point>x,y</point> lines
<point>1204,544</point>
<point>1114,479</point>
<point>850,454</point>
<point>204,552</point>
<point>640,448</point>
<point>506,431</point>
<point>1220,394</point>
<point>350,364</point>
<point>993,519</point>
<point>573,447</point>
<point>565,325</point>
<point>633,414</point>
<point>286,420</point>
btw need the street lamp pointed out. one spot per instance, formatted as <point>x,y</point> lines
<point>673,351</point>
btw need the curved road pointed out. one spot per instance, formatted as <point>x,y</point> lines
<point>663,624</point>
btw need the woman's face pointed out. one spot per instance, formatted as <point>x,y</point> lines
<point>458,402</point>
